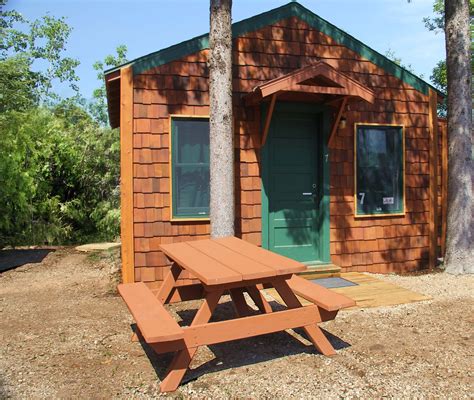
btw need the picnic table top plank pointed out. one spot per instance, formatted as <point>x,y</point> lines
<point>205,268</point>
<point>236,261</point>
<point>229,260</point>
<point>282,265</point>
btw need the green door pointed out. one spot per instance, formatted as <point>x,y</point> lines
<point>293,186</point>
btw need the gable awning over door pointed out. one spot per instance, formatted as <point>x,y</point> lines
<point>315,81</point>
<point>318,82</point>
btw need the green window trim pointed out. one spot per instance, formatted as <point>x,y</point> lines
<point>189,168</point>
<point>379,170</point>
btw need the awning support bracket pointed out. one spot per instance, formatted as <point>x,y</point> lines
<point>268,119</point>
<point>335,124</point>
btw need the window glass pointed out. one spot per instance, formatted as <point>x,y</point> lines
<point>190,169</point>
<point>379,170</point>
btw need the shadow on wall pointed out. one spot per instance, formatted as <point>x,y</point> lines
<point>10,259</point>
<point>182,87</point>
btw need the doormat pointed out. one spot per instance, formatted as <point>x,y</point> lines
<point>333,282</point>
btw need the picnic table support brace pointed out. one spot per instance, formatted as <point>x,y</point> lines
<point>183,358</point>
<point>259,299</point>
<point>240,305</point>
<point>169,283</point>
<point>313,331</point>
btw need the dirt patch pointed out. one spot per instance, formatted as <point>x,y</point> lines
<point>66,334</point>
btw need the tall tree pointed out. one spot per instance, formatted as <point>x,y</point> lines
<point>222,203</point>
<point>460,224</point>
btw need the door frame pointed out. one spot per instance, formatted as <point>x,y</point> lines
<point>324,115</point>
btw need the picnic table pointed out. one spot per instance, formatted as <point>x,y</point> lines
<point>228,266</point>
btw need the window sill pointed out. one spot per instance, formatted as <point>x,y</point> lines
<point>190,219</point>
<point>400,214</point>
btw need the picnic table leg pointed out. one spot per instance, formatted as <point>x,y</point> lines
<point>169,282</point>
<point>183,358</point>
<point>240,305</point>
<point>314,332</point>
<point>259,299</point>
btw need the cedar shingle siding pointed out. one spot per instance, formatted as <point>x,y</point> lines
<point>376,244</point>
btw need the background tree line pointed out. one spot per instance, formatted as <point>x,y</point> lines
<point>59,162</point>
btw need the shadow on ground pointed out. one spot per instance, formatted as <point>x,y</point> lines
<point>237,353</point>
<point>16,258</point>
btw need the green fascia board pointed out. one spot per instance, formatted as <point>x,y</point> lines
<point>259,21</point>
<point>363,50</point>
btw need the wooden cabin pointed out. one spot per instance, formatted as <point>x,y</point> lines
<point>340,158</point>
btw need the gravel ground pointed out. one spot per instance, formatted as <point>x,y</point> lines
<point>65,335</point>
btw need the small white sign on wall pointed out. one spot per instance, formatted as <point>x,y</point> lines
<point>388,200</point>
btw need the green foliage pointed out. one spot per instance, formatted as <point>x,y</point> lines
<point>98,108</point>
<point>28,209</point>
<point>18,84</point>
<point>59,165</point>
<point>440,81</point>
<point>59,181</point>
<point>439,76</point>
<point>397,60</point>
<point>39,42</point>
<point>436,23</point>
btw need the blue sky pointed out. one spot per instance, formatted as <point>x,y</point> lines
<point>145,26</point>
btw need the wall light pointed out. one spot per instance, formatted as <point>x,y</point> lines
<point>342,123</point>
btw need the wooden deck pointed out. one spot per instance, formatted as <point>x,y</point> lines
<point>370,292</point>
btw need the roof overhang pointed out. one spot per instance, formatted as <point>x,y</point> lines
<point>315,81</point>
<point>112,87</point>
<point>292,9</point>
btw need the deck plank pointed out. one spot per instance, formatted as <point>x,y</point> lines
<point>370,292</point>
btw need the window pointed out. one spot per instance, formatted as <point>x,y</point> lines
<point>189,167</point>
<point>379,170</point>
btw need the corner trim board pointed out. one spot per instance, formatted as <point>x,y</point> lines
<point>433,162</point>
<point>126,174</point>
<point>444,186</point>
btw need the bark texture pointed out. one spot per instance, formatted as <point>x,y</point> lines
<point>222,203</point>
<point>460,224</point>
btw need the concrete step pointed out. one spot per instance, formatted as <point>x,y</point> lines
<point>321,271</point>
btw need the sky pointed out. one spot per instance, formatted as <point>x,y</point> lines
<point>145,26</point>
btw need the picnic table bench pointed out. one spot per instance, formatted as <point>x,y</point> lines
<point>228,265</point>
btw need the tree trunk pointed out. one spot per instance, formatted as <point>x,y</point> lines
<point>222,203</point>
<point>460,225</point>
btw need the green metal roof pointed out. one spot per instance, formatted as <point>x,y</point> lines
<point>259,21</point>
